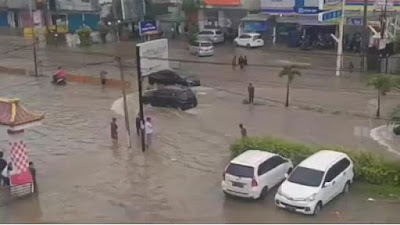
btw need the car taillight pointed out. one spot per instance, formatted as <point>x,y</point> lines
<point>223,175</point>
<point>254,182</point>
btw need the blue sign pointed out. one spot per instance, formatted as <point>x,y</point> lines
<point>255,26</point>
<point>307,10</point>
<point>148,27</point>
<point>330,15</point>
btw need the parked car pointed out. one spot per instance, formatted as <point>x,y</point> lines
<point>201,48</point>
<point>171,96</point>
<point>253,173</point>
<point>315,181</point>
<point>249,40</point>
<point>169,77</point>
<point>213,35</point>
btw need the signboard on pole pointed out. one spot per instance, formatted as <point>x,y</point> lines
<point>153,56</point>
<point>330,15</point>
<point>148,27</point>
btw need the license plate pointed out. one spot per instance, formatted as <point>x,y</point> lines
<point>237,184</point>
<point>291,208</point>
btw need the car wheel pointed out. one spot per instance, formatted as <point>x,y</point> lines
<point>346,187</point>
<point>263,193</point>
<point>248,46</point>
<point>236,44</point>
<point>317,208</point>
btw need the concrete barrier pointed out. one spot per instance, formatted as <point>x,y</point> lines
<point>82,79</point>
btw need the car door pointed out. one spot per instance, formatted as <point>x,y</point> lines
<point>329,191</point>
<point>343,175</point>
<point>268,176</point>
<point>281,169</point>
<point>264,178</point>
<point>240,40</point>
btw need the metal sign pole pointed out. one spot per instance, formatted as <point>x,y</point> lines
<point>139,80</point>
<point>126,111</point>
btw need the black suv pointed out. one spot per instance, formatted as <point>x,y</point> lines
<point>169,77</point>
<point>171,96</point>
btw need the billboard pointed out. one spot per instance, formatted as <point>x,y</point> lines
<point>153,56</point>
<point>222,2</point>
<point>148,27</point>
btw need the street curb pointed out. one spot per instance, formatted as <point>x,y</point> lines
<point>82,79</point>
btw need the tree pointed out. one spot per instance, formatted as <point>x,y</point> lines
<point>190,7</point>
<point>383,84</point>
<point>290,72</point>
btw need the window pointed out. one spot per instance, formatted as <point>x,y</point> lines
<point>270,164</point>
<point>205,44</point>
<point>218,32</point>
<point>244,36</point>
<point>337,169</point>
<point>86,1</point>
<point>306,176</point>
<point>256,37</point>
<point>240,170</point>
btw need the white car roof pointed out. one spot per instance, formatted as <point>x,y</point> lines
<point>252,158</point>
<point>252,34</point>
<point>322,160</point>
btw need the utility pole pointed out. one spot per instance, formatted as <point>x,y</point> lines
<point>33,37</point>
<point>339,59</point>
<point>139,80</point>
<point>126,111</point>
<point>365,37</point>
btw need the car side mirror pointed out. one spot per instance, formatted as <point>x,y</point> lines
<point>286,175</point>
<point>327,184</point>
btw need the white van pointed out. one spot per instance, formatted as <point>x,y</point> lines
<point>316,181</point>
<point>213,35</point>
<point>201,48</point>
<point>253,173</point>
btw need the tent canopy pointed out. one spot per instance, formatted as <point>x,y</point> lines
<point>14,114</point>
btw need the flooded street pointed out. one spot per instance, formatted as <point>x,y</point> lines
<point>83,177</point>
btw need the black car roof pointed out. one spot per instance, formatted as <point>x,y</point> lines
<point>163,71</point>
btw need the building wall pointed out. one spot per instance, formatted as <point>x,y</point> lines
<point>78,5</point>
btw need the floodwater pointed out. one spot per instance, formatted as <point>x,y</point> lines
<point>83,177</point>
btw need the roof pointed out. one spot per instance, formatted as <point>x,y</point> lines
<point>252,34</point>
<point>322,160</point>
<point>13,114</point>
<point>252,157</point>
<point>305,20</point>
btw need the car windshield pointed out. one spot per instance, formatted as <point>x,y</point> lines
<point>306,176</point>
<point>205,44</point>
<point>256,37</point>
<point>240,170</point>
<point>206,33</point>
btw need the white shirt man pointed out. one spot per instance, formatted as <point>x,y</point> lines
<point>149,131</point>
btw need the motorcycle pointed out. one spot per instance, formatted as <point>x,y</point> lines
<point>58,81</point>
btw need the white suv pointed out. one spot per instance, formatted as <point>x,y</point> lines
<point>315,181</point>
<point>253,173</point>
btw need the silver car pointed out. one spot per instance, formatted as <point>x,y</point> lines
<point>213,35</point>
<point>201,48</point>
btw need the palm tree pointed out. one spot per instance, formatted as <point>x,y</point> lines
<point>190,7</point>
<point>290,72</point>
<point>383,84</point>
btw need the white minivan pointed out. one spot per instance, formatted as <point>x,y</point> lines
<point>213,35</point>
<point>201,48</point>
<point>315,181</point>
<point>253,173</point>
<point>249,40</point>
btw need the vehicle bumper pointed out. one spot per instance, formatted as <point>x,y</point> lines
<point>217,40</point>
<point>295,206</point>
<point>258,44</point>
<point>254,192</point>
<point>206,53</point>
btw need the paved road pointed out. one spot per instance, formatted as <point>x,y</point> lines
<point>84,178</point>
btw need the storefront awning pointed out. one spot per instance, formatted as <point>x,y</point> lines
<point>304,20</point>
<point>256,17</point>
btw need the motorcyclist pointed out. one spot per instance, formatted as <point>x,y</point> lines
<point>60,75</point>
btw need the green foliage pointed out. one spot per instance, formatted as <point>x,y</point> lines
<point>383,83</point>
<point>84,36</point>
<point>290,72</point>
<point>395,116</point>
<point>396,130</point>
<point>368,167</point>
<point>397,44</point>
<point>191,6</point>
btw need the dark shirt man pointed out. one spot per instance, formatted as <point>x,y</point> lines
<point>33,173</point>
<point>243,131</point>
<point>114,129</point>
<point>251,91</point>
<point>138,122</point>
<point>3,164</point>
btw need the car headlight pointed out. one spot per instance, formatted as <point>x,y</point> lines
<point>311,197</point>
<point>280,191</point>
